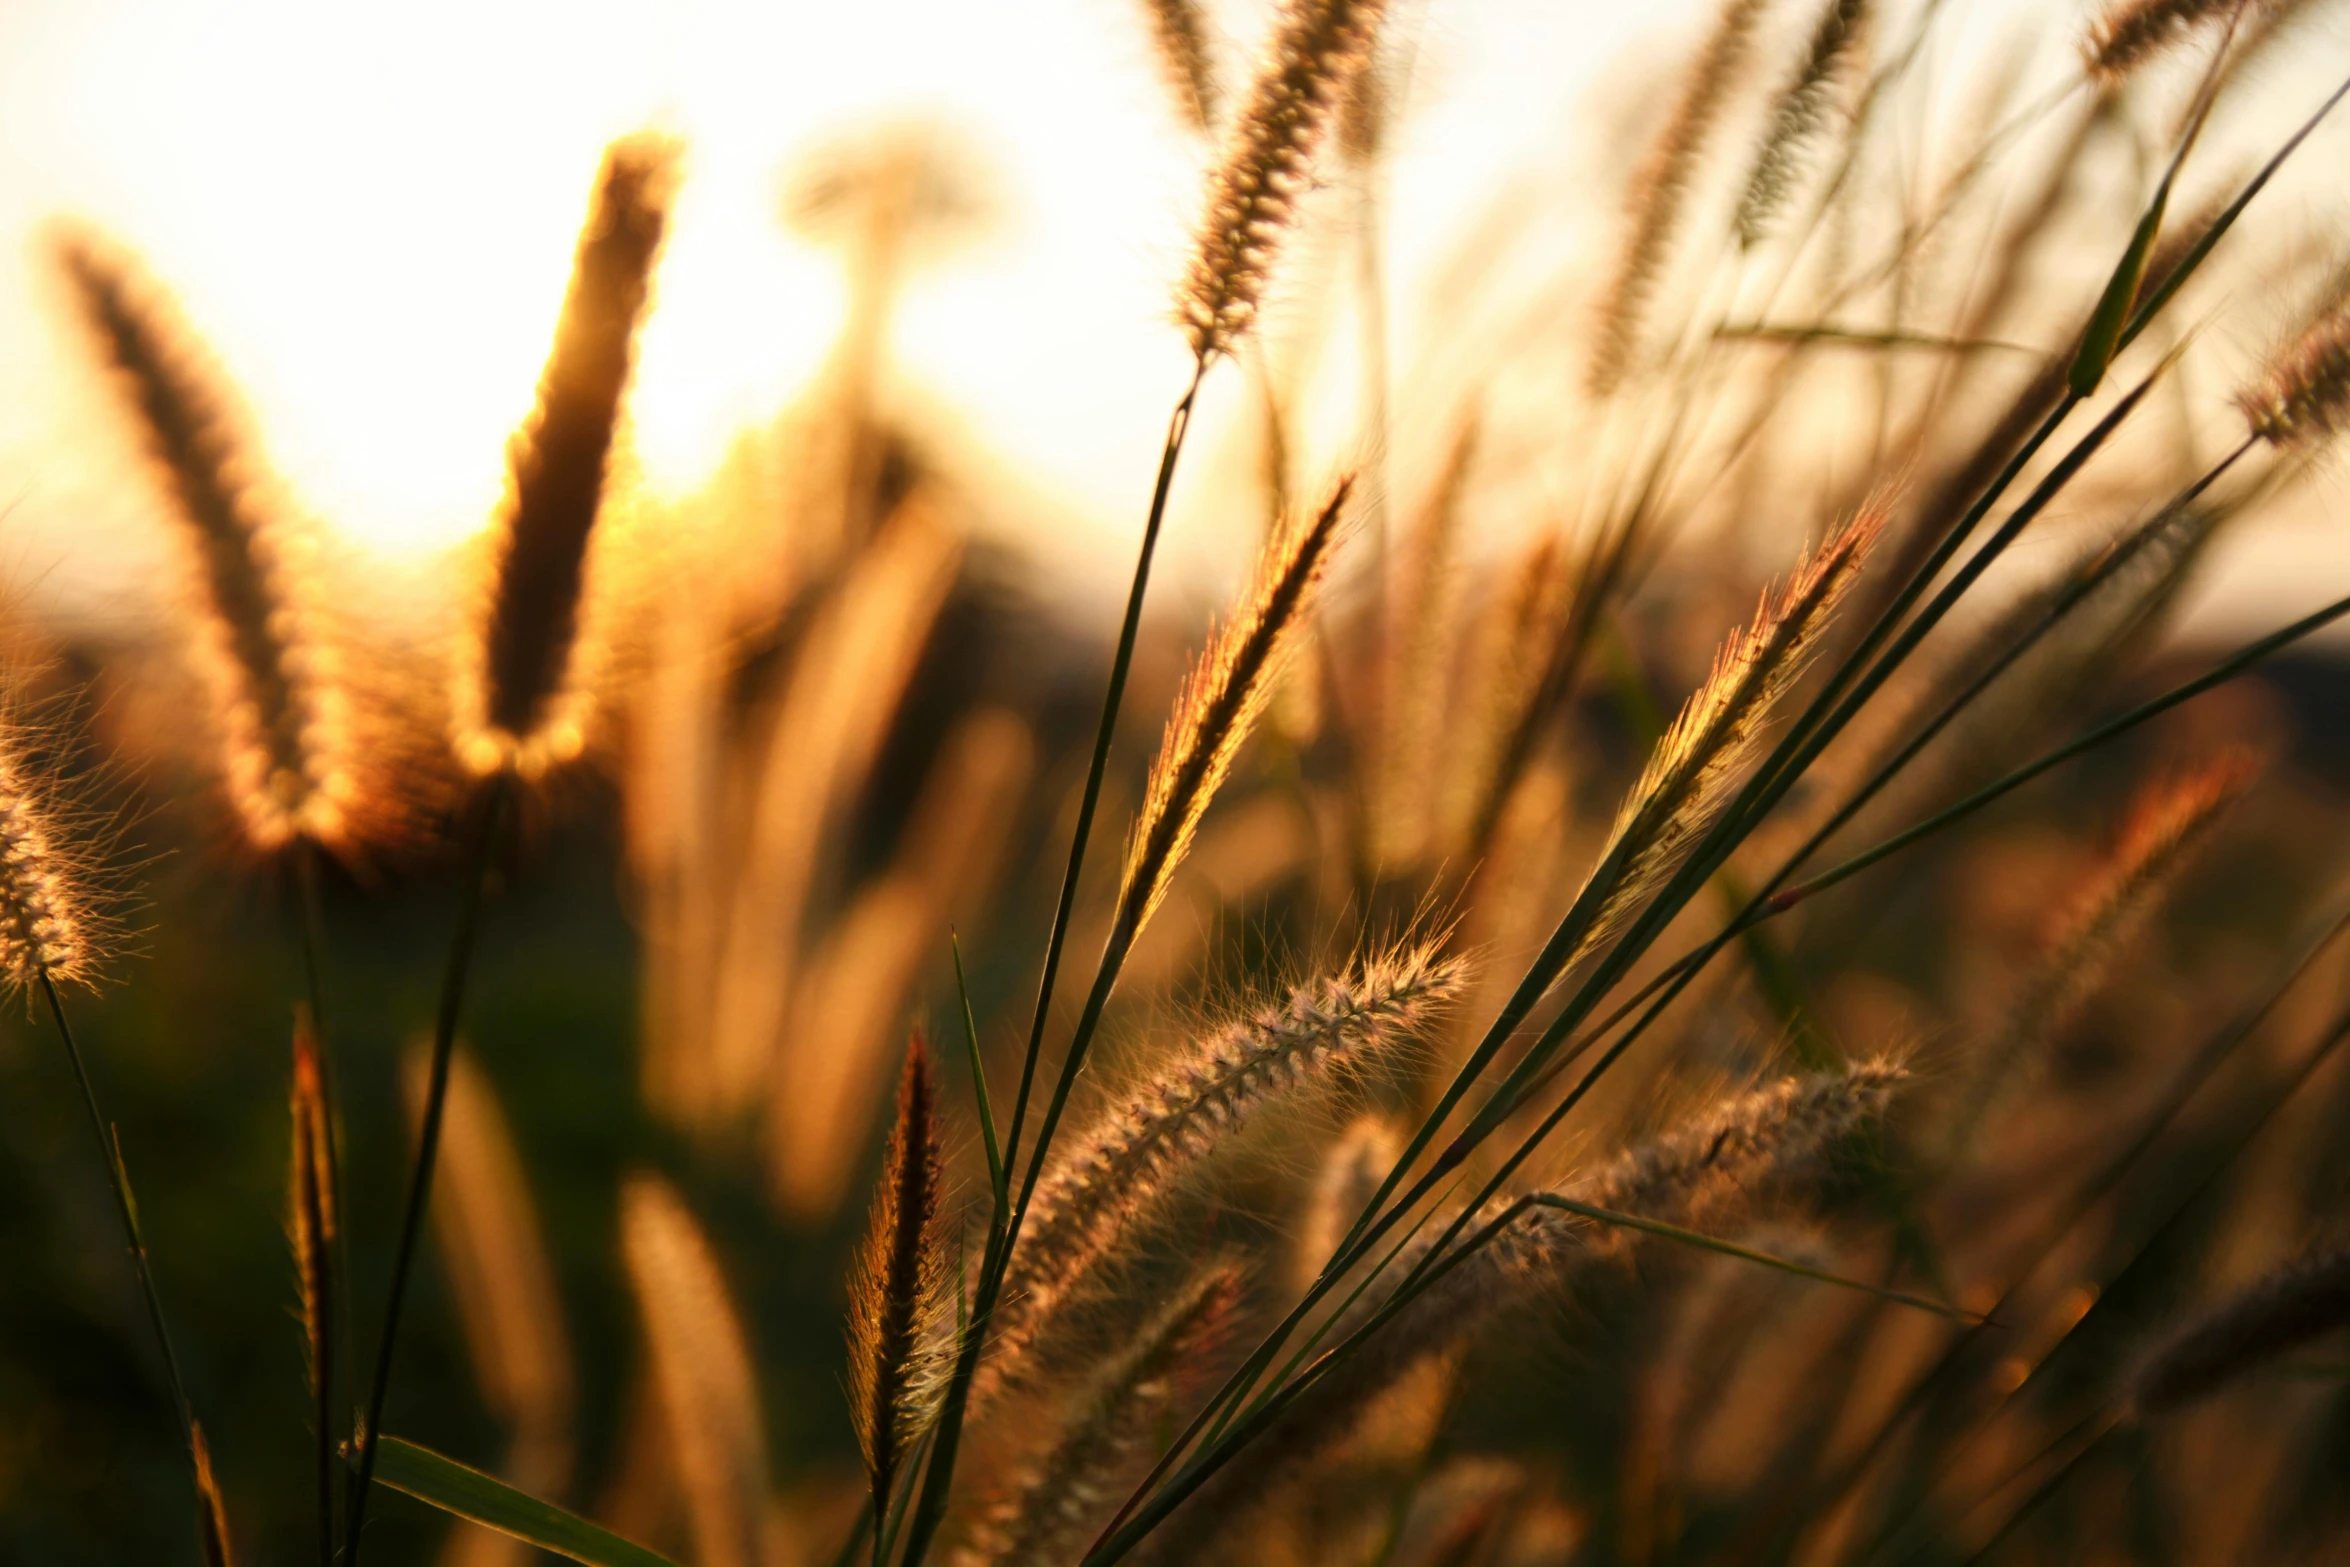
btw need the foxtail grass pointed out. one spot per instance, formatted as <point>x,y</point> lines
<point>316,1230</point>
<point>1116,1173</point>
<point>2279,1312</point>
<point>2128,34</point>
<point>1797,115</point>
<point>898,1290</point>
<point>1748,1149</point>
<point>280,713</point>
<point>521,702</point>
<point>1660,192</point>
<point>1317,45</point>
<point>1055,1499</point>
<point>212,1535</point>
<point>1180,37</point>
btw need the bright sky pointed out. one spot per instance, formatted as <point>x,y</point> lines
<point>369,213</point>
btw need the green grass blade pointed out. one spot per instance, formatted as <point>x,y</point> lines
<point>996,1181</point>
<point>466,1492</point>
<point>1674,1232</point>
<point>2103,339</point>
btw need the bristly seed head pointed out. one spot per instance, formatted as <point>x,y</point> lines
<point>280,710</point>
<point>46,924</point>
<point>2279,1312</point>
<point>523,704</point>
<point>1112,1176</point>
<point>2128,33</point>
<point>2305,397</point>
<point>1317,45</point>
<point>898,1285</point>
<point>1221,701</point>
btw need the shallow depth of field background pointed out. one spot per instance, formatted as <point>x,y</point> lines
<point>369,217</point>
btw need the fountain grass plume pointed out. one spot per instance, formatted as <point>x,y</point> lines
<point>2280,1311</point>
<point>1317,45</point>
<point>1221,700</point>
<point>521,701</point>
<point>1109,1179</point>
<point>899,1287</point>
<point>1797,117</point>
<point>280,713</point>
<point>1061,1494</point>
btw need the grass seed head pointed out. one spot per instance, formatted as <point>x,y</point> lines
<point>523,703</point>
<point>1179,33</point>
<point>1695,766</point>
<point>1797,117</point>
<point>312,1200</point>
<point>2305,396</point>
<point>1111,1177</point>
<point>1045,1515</point>
<point>2128,33</point>
<point>280,711</point>
<point>1660,190</point>
<point>2277,1313</point>
<point>898,1289</point>
<point>1252,198</point>
<point>1222,698</point>
<point>47,925</point>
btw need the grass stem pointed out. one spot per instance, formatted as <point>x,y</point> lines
<point>480,852</point>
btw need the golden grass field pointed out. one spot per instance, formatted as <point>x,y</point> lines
<point>1690,969</point>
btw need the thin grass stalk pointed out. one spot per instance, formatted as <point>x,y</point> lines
<point>118,1178</point>
<point>489,818</point>
<point>212,1536</point>
<point>930,1510</point>
<point>1676,1169</point>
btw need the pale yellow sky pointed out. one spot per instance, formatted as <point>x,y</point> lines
<point>369,213</point>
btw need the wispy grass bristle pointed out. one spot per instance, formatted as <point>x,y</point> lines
<point>1252,197</point>
<point>1112,1176</point>
<point>1797,116</point>
<point>280,712</point>
<point>1660,190</point>
<point>1692,771</point>
<point>2277,1313</point>
<point>522,703</point>
<point>898,1285</point>
<point>1043,1518</point>
<point>1224,695</point>
<point>2129,33</point>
